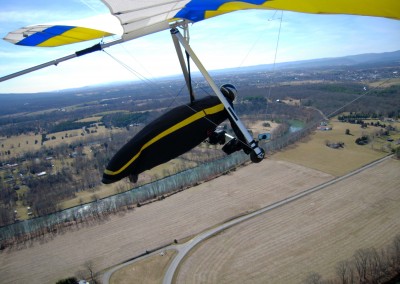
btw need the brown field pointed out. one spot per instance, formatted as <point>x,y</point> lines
<point>312,152</point>
<point>76,135</point>
<point>258,127</point>
<point>20,144</point>
<point>90,119</point>
<point>26,142</point>
<point>385,83</point>
<point>151,268</point>
<point>292,102</point>
<point>177,217</point>
<point>311,234</point>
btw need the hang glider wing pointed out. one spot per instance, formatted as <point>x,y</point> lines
<point>144,17</point>
<point>139,18</point>
<point>53,35</point>
<point>197,10</point>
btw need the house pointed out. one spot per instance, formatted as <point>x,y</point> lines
<point>324,128</point>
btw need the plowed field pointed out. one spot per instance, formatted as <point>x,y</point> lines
<point>308,235</point>
<point>177,217</point>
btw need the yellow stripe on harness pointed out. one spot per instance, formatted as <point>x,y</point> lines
<point>172,129</point>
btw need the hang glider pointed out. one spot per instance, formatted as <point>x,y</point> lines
<point>139,18</point>
<point>181,129</point>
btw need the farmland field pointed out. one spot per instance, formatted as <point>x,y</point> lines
<point>178,217</point>
<point>311,234</point>
<point>151,268</point>
<point>313,152</point>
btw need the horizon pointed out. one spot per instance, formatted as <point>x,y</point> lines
<point>276,66</point>
<point>234,40</point>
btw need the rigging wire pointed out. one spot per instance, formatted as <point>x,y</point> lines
<point>274,62</point>
<point>123,46</point>
<point>90,6</point>
<point>151,83</point>
<point>130,69</point>
<point>275,56</point>
<point>148,81</point>
<point>256,42</point>
<point>145,79</point>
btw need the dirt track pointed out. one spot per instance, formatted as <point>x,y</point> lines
<point>177,217</point>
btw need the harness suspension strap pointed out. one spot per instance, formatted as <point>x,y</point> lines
<point>189,78</point>
<point>184,68</point>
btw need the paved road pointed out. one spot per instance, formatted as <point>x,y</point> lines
<point>183,249</point>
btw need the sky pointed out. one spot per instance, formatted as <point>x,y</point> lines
<point>238,39</point>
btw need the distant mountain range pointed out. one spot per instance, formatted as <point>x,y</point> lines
<point>387,58</point>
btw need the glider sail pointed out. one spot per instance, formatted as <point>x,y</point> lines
<point>143,17</point>
<point>53,35</point>
<point>197,10</point>
<point>139,18</point>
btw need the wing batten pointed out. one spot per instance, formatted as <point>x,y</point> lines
<point>140,18</point>
<point>141,9</point>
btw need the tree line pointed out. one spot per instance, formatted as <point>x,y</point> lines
<point>367,266</point>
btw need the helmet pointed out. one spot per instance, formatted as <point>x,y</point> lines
<point>229,91</point>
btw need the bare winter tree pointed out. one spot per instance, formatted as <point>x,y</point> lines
<point>395,254</point>
<point>313,278</point>
<point>375,266</point>
<point>89,272</point>
<point>361,257</point>
<point>343,271</point>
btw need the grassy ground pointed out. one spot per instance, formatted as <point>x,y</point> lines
<point>312,152</point>
<point>90,119</point>
<point>20,144</point>
<point>151,269</point>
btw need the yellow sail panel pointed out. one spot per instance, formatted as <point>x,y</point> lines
<point>74,35</point>
<point>384,8</point>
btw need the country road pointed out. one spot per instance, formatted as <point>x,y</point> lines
<point>183,249</point>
